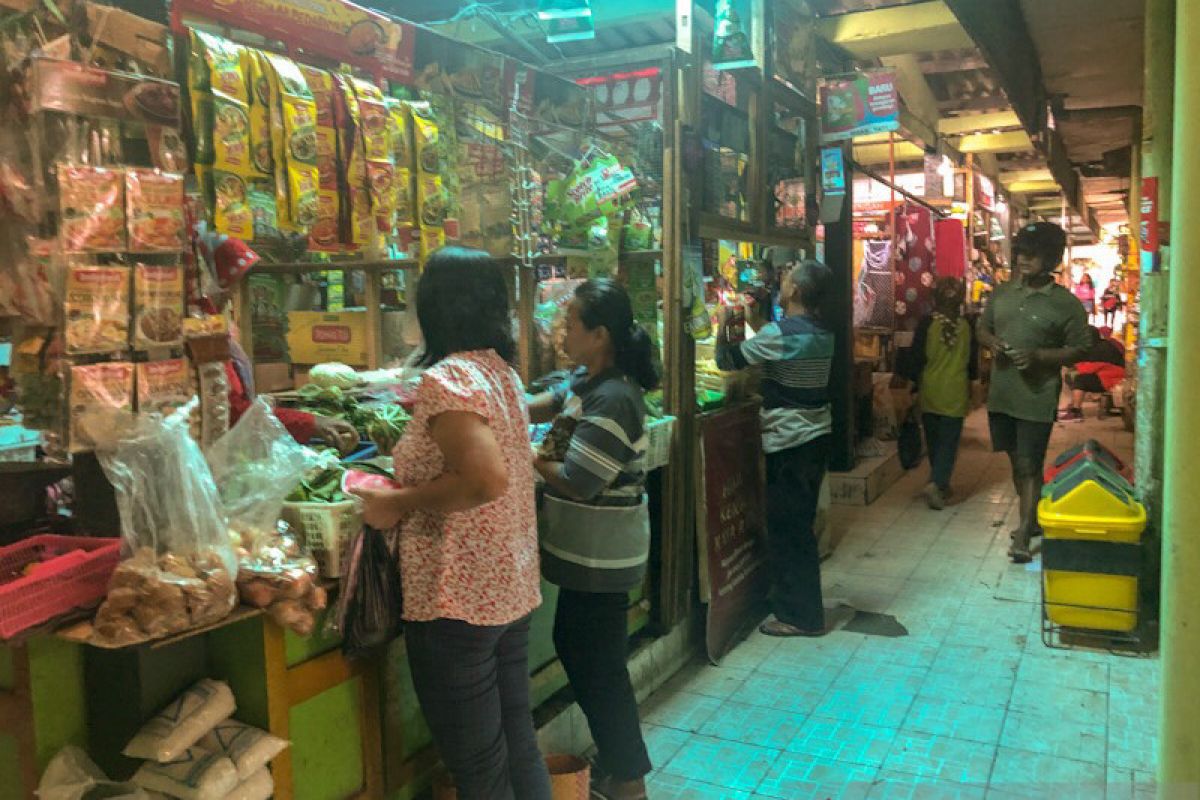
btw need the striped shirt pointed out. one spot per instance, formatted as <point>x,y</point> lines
<point>796,355</point>
<point>598,539</point>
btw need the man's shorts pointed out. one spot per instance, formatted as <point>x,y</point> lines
<point>1087,382</point>
<point>1021,438</point>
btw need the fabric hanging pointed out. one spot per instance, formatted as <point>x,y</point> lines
<point>951,253</point>
<point>913,265</point>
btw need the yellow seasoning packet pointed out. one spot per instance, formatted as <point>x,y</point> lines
<point>97,309</point>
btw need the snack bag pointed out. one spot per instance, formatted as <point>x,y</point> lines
<point>358,218</point>
<point>432,201</point>
<point>158,306</point>
<point>92,208</point>
<point>163,387</point>
<point>400,136</point>
<point>298,137</point>
<point>325,232</point>
<point>154,203</point>
<point>97,390</point>
<point>97,309</point>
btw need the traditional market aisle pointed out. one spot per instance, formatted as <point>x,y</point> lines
<point>970,704</point>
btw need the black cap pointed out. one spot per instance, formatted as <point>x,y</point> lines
<point>1043,239</point>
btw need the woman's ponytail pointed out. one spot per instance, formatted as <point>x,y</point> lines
<point>605,302</point>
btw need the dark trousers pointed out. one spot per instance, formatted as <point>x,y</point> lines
<point>473,685</point>
<point>793,488</point>
<point>591,636</point>
<point>941,439</point>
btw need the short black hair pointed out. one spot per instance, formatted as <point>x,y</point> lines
<point>812,281</point>
<point>1043,239</point>
<point>463,305</point>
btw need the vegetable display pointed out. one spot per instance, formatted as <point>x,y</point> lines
<point>387,426</point>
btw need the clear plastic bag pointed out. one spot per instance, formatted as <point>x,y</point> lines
<point>257,465</point>
<point>181,566</point>
<point>280,576</point>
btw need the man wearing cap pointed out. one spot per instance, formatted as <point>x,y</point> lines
<point>1035,327</point>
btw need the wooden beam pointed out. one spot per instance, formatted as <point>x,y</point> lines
<point>942,63</point>
<point>881,153</point>
<point>977,123</point>
<point>991,102</point>
<point>1011,142</point>
<point>919,114</point>
<point>920,28</point>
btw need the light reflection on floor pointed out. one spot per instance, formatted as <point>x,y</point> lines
<point>969,705</point>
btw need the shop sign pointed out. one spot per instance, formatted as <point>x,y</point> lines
<point>626,97</point>
<point>985,192</point>
<point>732,524</point>
<point>1149,231</point>
<point>833,171</point>
<point>859,104</point>
<point>332,28</point>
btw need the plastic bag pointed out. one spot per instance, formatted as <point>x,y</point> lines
<point>256,465</point>
<point>71,775</point>
<point>280,576</point>
<point>181,565</point>
<point>369,610</point>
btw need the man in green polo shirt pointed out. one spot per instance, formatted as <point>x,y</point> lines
<point>1035,327</point>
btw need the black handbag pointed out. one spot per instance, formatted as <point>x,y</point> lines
<point>909,442</point>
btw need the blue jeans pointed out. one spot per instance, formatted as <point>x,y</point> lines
<point>941,439</point>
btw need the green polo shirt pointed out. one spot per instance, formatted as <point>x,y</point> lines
<point>1032,319</point>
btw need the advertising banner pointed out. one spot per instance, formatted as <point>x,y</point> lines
<point>859,104</point>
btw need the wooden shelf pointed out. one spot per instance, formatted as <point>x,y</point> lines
<point>302,267</point>
<point>81,633</point>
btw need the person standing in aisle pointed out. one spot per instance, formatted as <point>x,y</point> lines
<point>797,356</point>
<point>942,362</point>
<point>595,525</point>
<point>468,533</point>
<point>1085,290</point>
<point>1111,302</point>
<point>1035,327</point>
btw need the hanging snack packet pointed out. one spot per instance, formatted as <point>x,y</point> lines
<point>97,309</point>
<point>359,220</point>
<point>294,101</point>
<point>154,202</point>
<point>400,136</point>
<point>158,306</point>
<point>200,89</point>
<point>325,231</point>
<point>163,387</point>
<point>96,389</point>
<point>92,203</point>
<point>223,59</point>
<point>431,194</point>
<point>378,150</point>
<point>267,180</point>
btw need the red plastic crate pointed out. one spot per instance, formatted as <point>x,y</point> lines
<point>74,573</point>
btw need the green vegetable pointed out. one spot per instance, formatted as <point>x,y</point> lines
<point>334,375</point>
<point>387,426</point>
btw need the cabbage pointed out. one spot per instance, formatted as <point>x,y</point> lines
<point>340,375</point>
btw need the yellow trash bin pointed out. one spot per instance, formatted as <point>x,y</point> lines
<point>1092,554</point>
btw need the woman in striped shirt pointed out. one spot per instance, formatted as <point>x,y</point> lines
<point>595,529</point>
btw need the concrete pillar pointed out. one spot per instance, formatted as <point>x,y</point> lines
<point>1179,742</point>
<point>1157,121</point>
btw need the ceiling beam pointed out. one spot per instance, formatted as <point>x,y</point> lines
<point>1028,187</point>
<point>991,102</point>
<point>1012,176</point>
<point>999,31</point>
<point>941,63</point>
<point>975,123</point>
<point>920,113</point>
<point>919,28</point>
<point>881,153</point>
<point>1010,142</point>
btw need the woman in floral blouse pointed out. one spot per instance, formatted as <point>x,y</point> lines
<point>468,533</point>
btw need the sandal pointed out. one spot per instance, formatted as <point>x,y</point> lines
<point>1019,553</point>
<point>774,627</point>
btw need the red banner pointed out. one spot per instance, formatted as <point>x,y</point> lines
<point>331,29</point>
<point>1149,220</point>
<point>733,523</point>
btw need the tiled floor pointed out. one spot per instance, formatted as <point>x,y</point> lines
<point>969,705</point>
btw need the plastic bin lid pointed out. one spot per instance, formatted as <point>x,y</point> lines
<point>1091,448</point>
<point>1086,469</point>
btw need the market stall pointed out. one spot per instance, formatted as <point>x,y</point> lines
<point>334,162</point>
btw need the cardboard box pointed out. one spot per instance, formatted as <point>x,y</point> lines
<point>315,337</point>
<point>272,377</point>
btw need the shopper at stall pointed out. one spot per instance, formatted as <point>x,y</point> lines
<point>1085,290</point>
<point>1100,369</point>
<point>595,525</point>
<point>942,362</point>
<point>468,533</point>
<point>1035,327</point>
<point>796,354</point>
<point>1111,302</point>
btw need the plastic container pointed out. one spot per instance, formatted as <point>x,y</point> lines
<point>1089,450</point>
<point>1092,507</point>
<point>71,572</point>
<point>327,528</point>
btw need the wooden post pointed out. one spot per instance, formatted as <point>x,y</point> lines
<point>373,299</point>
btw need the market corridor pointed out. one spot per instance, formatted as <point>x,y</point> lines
<point>969,705</point>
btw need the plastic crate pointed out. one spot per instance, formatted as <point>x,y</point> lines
<point>327,528</point>
<point>73,573</point>
<point>659,434</point>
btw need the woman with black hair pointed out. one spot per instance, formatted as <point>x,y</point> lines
<point>468,533</point>
<point>595,526</point>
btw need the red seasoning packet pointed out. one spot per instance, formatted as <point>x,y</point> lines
<point>155,211</point>
<point>92,204</point>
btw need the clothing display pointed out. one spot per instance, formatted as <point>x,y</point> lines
<point>914,262</point>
